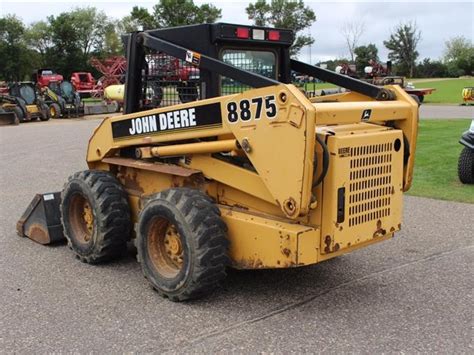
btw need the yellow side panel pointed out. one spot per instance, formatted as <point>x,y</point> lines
<point>32,108</point>
<point>362,192</point>
<point>259,242</point>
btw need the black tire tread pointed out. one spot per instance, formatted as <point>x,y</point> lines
<point>466,166</point>
<point>203,217</point>
<point>114,212</point>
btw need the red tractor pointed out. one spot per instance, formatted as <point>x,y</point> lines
<point>166,71</point>
<point>376,69</point>
<point>42,77</point>
<point>84,84</point>
<point>347,69</point>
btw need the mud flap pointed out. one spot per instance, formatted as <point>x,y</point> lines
<point>41,221</point>
<point>7,118</point>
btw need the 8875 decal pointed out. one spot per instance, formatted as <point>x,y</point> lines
<point>253,109</point>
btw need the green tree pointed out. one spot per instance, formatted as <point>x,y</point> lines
<point>292,15</point>
<point>65,55</point>
<point>169,13</point>
<point>402,47</point>
<point>362,56</point>
<point>431,69</point>
<point>15,63</point>
<point>91,27</point>
<point>38,39</point>
<point>112,42</point>
<point>139,19</point>
<point>459,56</point>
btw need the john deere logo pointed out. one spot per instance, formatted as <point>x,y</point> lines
<point>366,115</point>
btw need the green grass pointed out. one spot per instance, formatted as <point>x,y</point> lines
<point>436,161</point>
<point>447,91</point>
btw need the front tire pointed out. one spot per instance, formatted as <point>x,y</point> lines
<point>181,243</point>
<point>54,111</point>
<point>466,166</point>
<point>95,215</point>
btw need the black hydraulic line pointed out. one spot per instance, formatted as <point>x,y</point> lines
<point>344,81</point>
<point>324,172</point>
<point>206,62</point>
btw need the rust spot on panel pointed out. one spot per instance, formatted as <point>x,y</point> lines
<point>286,252</point>
<point>336,247</point>
<point>130,180</point>
<point>379,232</point>
<point>249,264</point>
<point>37,233</point>
<point>327,241</point>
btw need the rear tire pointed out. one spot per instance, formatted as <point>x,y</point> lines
<point>466,166</point>
<point>95,215</point>
<point>182,244</point>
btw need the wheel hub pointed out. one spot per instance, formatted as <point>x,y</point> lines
<point>165,247</point>
<point>88,219</point>
<point>173,246</point>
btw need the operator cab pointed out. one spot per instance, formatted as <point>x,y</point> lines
<point>168,80</point>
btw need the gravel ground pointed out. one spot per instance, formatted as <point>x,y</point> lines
<point>410,294</point>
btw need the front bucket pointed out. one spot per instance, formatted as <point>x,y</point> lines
<point>41,221</point>
<point>7,118</point>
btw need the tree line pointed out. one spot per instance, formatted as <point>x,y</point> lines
<point>457,60</point>
<point>66,42</point>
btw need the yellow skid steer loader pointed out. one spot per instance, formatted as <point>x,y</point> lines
<point>251,175</point>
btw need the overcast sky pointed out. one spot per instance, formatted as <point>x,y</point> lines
<point>438,21</point>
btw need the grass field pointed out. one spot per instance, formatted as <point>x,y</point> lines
<point>447,91</point>
<point>436,161</point>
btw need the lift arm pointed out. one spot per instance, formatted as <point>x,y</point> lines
<point>344,81</point>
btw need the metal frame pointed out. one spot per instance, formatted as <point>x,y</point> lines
<point>177,42</point>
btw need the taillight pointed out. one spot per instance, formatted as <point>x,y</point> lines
<point>274,35</point>
<point>242,32</point>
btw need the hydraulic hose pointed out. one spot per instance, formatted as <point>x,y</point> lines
<point>321,177</point>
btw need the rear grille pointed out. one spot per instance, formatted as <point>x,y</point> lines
<point>371,186</point>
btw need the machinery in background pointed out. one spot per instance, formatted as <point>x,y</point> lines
<point>62,100</point>
<point>42,77</point>
<point>84,84</point>
<point>468,95</point>
<point>380,74</point>
<point>93,92</point>
<point>7,117</point>
<point>347,69</point>
<point>29,104</point>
